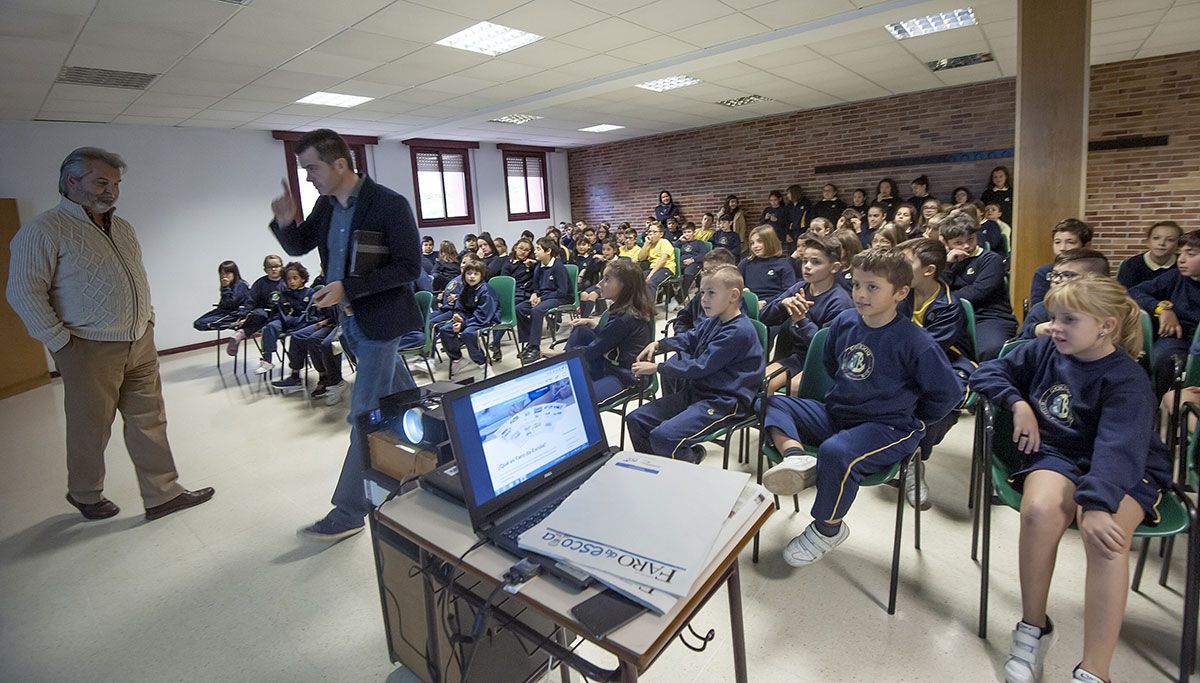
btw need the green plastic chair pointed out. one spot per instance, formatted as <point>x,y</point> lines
<point>1121,268</point>
<point>750,299</point>
<point>1147,342</point>
<point>571,308</point>
<point>424,351</point>
<point>505,288</point>
<point>815,383</point>
<point>1177,515</point>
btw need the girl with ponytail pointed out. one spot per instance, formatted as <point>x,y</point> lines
<point>1083,416</point>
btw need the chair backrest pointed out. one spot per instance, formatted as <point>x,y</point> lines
<point>425,303</point>
<point>762,334</point>
<point>573,276</point>
<point>1121,268</point>
<point>678,262</point>
<point>969,314</point>
<point>604,321</point>
<point>816,382</point>
<point>505,288</point>
<point>1147,342</point>
<point>1003,448</point>
<point>751,300</point>
<point>1191,375</point>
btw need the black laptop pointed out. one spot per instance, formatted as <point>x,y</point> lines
<point>522,442</point>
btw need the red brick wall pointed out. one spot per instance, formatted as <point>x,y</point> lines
<point>1126,189</point>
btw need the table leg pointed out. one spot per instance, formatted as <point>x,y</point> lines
<point>432,653</point>
<point>564,672</point>
<point>737,627</point>
<point>628,672</point>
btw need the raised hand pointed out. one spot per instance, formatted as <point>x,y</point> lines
<point>283,206</point>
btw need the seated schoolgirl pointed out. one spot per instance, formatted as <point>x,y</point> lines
<point>447,266</point>
<point>1162,243</point>
<point>591,300</point>
<point>234,301</point>
<point>475,308</point>
<point>766,271</point>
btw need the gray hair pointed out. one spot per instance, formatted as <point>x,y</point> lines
<point>76,163</point>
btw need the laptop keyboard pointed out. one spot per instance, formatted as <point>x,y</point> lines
<point>512,532</point>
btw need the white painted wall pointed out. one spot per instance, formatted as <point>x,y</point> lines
<point>199,196</point>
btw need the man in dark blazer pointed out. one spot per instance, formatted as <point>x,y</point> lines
<point>375,301</point>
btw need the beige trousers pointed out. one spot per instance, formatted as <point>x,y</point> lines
<point>100,378</point>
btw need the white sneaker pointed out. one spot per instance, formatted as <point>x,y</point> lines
<point>791,476</point>
<point>462,368</point>
<point>1028,653</point>
<point>1081,675</point>
<point>812,545</point>
<point>264,366</point>
<point>333,394</point>
<point>910,486</point>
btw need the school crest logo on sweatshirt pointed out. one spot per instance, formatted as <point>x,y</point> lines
<point>857,362</point>
<point>1055,403</point>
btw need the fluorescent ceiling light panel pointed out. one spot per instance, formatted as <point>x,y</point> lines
<point>956,62</point>
<point>601,128</point>
<point>669,83</point>
<point>516,119</point>
<point>943,21</point>
<point>743,101</point>
<point>489,39</point>
<point>332,99</point>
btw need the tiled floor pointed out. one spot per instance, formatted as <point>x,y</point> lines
<point>226,592</point>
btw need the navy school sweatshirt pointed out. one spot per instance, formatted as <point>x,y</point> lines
<point>717,359</point>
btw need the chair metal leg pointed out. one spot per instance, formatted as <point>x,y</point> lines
<point>895,580</point>
<point>920,472</point>
<point>1141,564</point>
<point>1191,599</point>
<point>985,509</point>
<point>1166,561</point>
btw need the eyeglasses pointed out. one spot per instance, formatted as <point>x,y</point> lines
<point>1057,276</point>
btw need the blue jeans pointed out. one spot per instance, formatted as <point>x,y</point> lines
<point>380,373</point>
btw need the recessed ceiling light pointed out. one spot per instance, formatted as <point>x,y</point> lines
<point>489,39</point>
<point>516,119</point>
<point>956,62</point>
<point>743,101</point>
<point>332,99</point>
<point>669,83</point>
<point>943,21</point>
<point>601,128</point>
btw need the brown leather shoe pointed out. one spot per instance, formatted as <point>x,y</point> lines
<point>183,501</point>
<point>102,510</point>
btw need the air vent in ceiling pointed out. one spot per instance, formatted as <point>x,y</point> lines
<point>957,62</point>
<point>105,78</point>
<point>236,2</point>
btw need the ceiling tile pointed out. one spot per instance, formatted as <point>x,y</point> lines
<point>550,18</point>
<point>329,64</point>
<point>610,33</point>
<point>414,22</point>
<point>247,105</point>
<point>124,59</point>
<point>73,116</point>
<point>206,123</point>
<point>612,6</point>
<point>658,49</point>
<point>254,22</point>
<point>268,93</point>
<point>90,106</point>
<point>226,48</point>
<point>785,13</point>
<point>193,86</point>
<point>1105,9</point>
<point>677,14</point>
<point>137,120</point>
<point>228,115</point>
<point>89,93</point>
<point>136,109</point>
<point>368,46</point>
<point>546,54</point>
<point>188,15</point>
<point>285,120</point>
<point>309,110</point>
<point>122,34</point>
<point>41,25</point>
<point>32,51</point>
<point>366,88</point>
<point>422,97</point>
<point>79,7</point>
<point>1127,22</point>
<point>596,66</point>
<point>214,70</point>
<point>1123,38</point>
<point>475,9</point>
<point>173,100</point>
<point>1001,30</point>
<point>395,74</point>
<point>720,31</point>
<point>279,78</point>
<point>340,13</point>
<point>458,85</point>
<point>499,71</point>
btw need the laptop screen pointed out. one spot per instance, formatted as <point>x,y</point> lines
<point>520,427</point>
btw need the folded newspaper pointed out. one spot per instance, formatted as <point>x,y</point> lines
<point>634,524</point>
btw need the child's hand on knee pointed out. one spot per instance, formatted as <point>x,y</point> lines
<point>1025,428</point>
<point>1101,533</point>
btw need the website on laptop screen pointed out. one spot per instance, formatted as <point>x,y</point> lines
<point>525,426</point>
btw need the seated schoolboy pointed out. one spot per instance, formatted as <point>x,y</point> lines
<point>720,362</point>
<point>1067,265</point>
<point>691,253</point>
<point>890,380</point>
<point>591,300</point>
<point>726,238</point>
<point>978,276</point>
<point>428,255</point>
<point>234,301</point>
<point>263,295</point>
<point>315,341</point>
<point>1070,233</point>
<point>470,246</point>
<point>588,262</point>
<point>560,252</point>
<point>551,287</point>
<point>707,228</point>
<point>932,307</point>
<point>659,255</point>
<point>993,231</point>
<point>627,240</point>
<point>691,314</point>
<point>807,306</point>
<point>766,271</point>
<point>476,307</point>
<point>1162,241</point>
<point>1083,415</point>
<point>611,350</point>
<point>1173,298</point>
<point>290,313</point>
<point>875,219</point>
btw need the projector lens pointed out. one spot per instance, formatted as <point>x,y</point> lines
<point>414,425</point>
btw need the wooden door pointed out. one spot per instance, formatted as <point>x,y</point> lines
<point>23,362</point>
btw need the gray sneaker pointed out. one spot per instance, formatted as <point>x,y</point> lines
<point>791,476</point>
<point>333,394</point>
<point>910,486</point>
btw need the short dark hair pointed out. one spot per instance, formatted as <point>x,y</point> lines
<point>1160,224</point>
<point>828,246</point>
<point>878,205</point>
<point>1076,227</point>
<point>922,180</point>
<point>329,145</point>
<point>957,225</point>
<point>473,266</point>
<point>427,238</point>
<point>775,193</point>
<point>470,236</point>
<point>719,256</point>
<point>1096,261</point>
<point>1190,240</point>
<point>929,252</point>
<point>298,268</point>
<point>890,264</point>
<point>548,244</point>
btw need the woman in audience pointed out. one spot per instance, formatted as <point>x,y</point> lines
<point>887,194</point>
<point>732,212</point>
<point>666,208</point>
<point>999,191</point>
